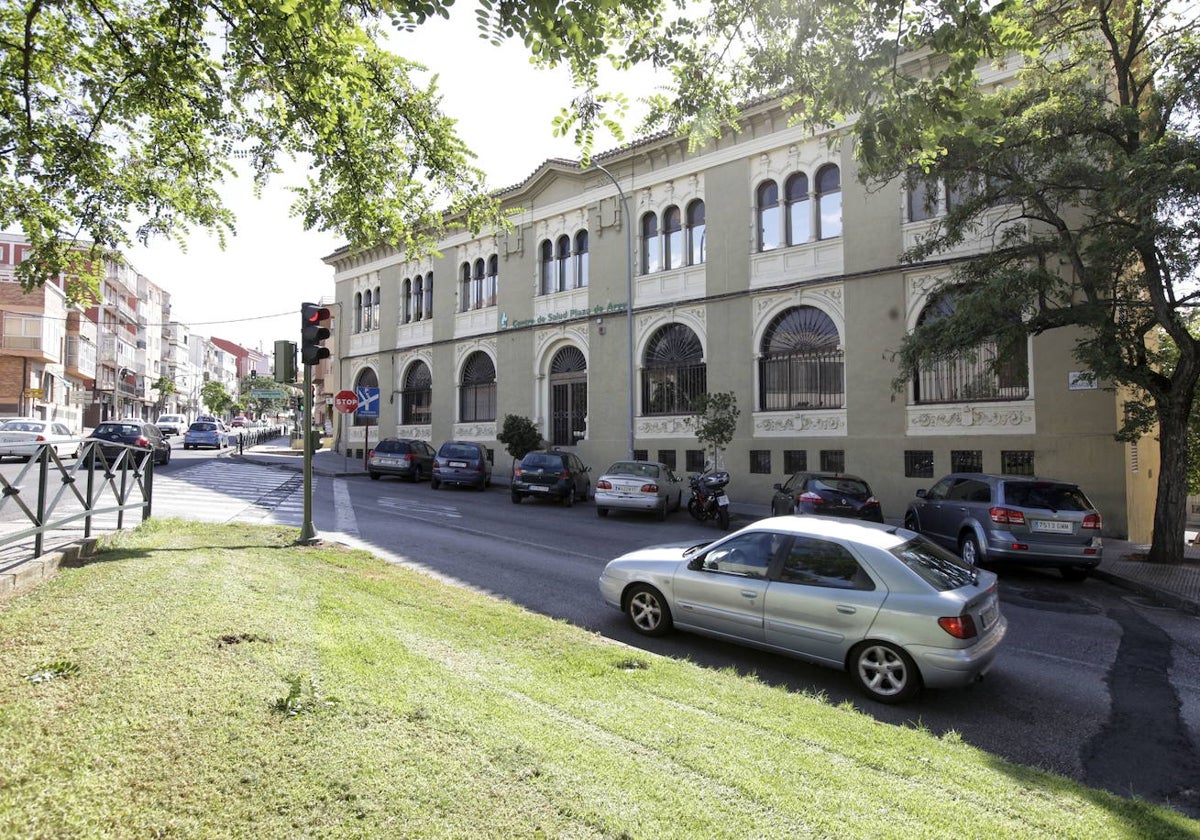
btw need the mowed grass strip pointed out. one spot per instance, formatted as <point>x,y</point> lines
<point>419,709</point>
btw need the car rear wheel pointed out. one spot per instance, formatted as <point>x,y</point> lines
<point>516,498</point>
<point>968,550</point>
<point>884,672</point>
<point>602,512</point>
<point>374,476</point>
<point>434,484</point>
<point>569,499</point>
<point>648,610</point>
<point>910,522</point>
<point>416,475</point>
<point>1075,573</point>
<point>661,513</point>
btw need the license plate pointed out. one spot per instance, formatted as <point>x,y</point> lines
<point>1051,526</point>
<point>458,463</point>
<point>987,616</point>
<point>723,501</point>
<point>536,488</point>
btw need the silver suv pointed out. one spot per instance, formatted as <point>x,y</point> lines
<point>1016,519</point>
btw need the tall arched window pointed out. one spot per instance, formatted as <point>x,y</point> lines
<point>418,298</point>
<point>769,222</point>
<point>464,283</point>
<point>416,398</point>
<point>673,255</point>
<point>829,202</point>
<point>358,326</point>
<point>547,264</point>
<point>477,300</point>
<point>376,308</point>
<point>493,281</point>
<point>992,372</point>
<point>801,362</point>
<point>477,391</point>
<point>673,371</point>
<point>366,379</point>
<point>562,264</point>
<point>367,310</point>
<point>651,260</point>
<point>695,232</point>
<point>568,396</point>
<point>581,259</point>
<point>406,297</point>
<point>799,211</point>
<point>429,295</point>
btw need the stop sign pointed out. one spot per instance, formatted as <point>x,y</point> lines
<point>345,401</point>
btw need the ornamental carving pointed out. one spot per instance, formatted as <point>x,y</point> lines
<point>475,431</point>
<point>664,427</point>
<point>972,419</point>
<point>424,433</point>
<point>820,423</point>
<point>466,348</point>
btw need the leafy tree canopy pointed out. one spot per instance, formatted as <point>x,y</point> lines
<point>214,395</point>
<point>120,119</point>
<point>714,417</point>
<point>519,435</point>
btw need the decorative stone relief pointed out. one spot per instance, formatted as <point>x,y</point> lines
<point>475,431</point>
<point>973,419</point>
<point>820,423</point>
<point>424,433</point>
<point>466,348</point>
<point>664,427</point>
<point>575,334</point>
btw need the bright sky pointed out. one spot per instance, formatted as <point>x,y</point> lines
<point>504,107</point>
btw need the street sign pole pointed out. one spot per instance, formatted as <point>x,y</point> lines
<point>308,534</point>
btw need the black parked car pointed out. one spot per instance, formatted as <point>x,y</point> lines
<point>404,457</point>
<point>551,475</point>
<point>132,433</point>
<point>826,494</point>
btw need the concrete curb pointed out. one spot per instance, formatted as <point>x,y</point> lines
<point>21,577</point>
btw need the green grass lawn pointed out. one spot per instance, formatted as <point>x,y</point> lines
<point>220,682</point>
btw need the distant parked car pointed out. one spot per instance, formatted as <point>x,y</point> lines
<point>403,457</point>
<point>171,424</point>
<point>551,474</point>
<point>643,486</point>
<point>239,422</point>
<point>896,611</point>
<point>204,433</point>
<point>826,494</point>
<point>461,462</point>
<point>132,433</point>
<point>1020,519</point>
<point>22,438</point>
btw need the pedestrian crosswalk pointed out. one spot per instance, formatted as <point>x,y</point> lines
<point>227,491</point>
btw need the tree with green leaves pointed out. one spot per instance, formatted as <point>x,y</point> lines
<point>1085,169</point>
<point>519,435</point>
<point>165,386</point>
<point>214,395</point>
<point>714,417</point>
<point>119,120</point>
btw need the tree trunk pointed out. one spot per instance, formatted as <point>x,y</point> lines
<point>1170,511</point>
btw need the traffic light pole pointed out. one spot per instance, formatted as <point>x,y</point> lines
<point>308,534</point>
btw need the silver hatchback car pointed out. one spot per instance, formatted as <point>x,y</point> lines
<point>894,610</point>
<point>1011,519</point>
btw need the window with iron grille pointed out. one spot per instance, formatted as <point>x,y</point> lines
<point>801,363</point>
<point>667,456</point>
<point>918,463</point>
<point>966,460</point>
<point>1016,462</point>
<point>416,399</point>
<point>568,396</point>
<point>760,461</point>
<point>991,372</point>
<point>477,394</point>
<point>833,460</point>
<point>795,460</point>
<point>641,455</point>
<point>694,460</point>
<point>674,372</point>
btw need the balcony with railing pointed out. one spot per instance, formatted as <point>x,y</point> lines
<point>114,351</point>
<point>31,336</point>
<point>81,357</point>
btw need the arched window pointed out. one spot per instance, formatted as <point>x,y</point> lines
<point>493,280</point>
<point>547,279</point>
<point>477,301</point>
<point>464,282</point>
<point>695,232</point>
<point>581,259</point>
<point>429,295</point>
<point>477,392</point>
<point>799,211</point>
<point>673,371</point>
<point>568,396</point>
<point>829,202</point>
<point>418,298</point>
<point>358,312</point>
<point>801,362</point>
<point>416,398</point>
<point>992,372</point>
<point>375,310</point>
<point>406,297</point>
<point>650,254</point>
<point>769,223</point>
<point>366,379</point>
<point>562,264</point>
<point>367,309</point>
<point>672,238</point>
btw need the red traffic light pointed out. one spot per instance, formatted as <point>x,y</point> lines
<point>312,333</point>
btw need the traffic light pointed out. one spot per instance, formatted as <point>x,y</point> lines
<point>285,361</point>
<point>312,333</point>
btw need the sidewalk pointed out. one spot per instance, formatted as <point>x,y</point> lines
<point>1175,586</point>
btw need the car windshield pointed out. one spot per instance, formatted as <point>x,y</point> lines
<point>936,566</point>
<point>542,460</point>
<point>851,487</point>
<point>1044,495</point>
<point>634,469</point>
<point>19,426</point>
<point>203,427</point>
<point>391,446</point>
<point>118,429</point>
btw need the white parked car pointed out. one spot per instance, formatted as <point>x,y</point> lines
<point>21,438</point>
<point>171,424</point>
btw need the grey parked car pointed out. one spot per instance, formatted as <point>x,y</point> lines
<point>885,604</point>
<point>407,458</point>
<point>461,462</point>
<point>1020,519</point>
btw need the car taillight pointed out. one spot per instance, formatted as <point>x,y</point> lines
<point>1006,516</point>
<point>1092,521</point>
<point>41,438</point>
<point>604,484</point>
<point>437,463</point>
<point>871,502</point>
<point>479,467</point>
<point>141,442</point>
<point>650,488</point>
<point>958,626</point>
<point>371,454</point>
<point>811,498</point>
<point>517,471</point>
<point>564,475</point>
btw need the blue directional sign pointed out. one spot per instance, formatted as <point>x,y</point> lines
<point>368,402</point>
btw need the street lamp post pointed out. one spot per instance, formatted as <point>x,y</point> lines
<point>628,224</point>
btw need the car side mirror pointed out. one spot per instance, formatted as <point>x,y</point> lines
<point>921,493</point>
<point>777,486</point>
<point>696,563</point>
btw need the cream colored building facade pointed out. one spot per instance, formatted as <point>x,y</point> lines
<point>759,266</point>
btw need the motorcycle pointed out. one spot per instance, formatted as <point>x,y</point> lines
<point>708,499</point>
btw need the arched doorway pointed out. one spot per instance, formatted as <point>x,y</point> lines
<point>568,397</point>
